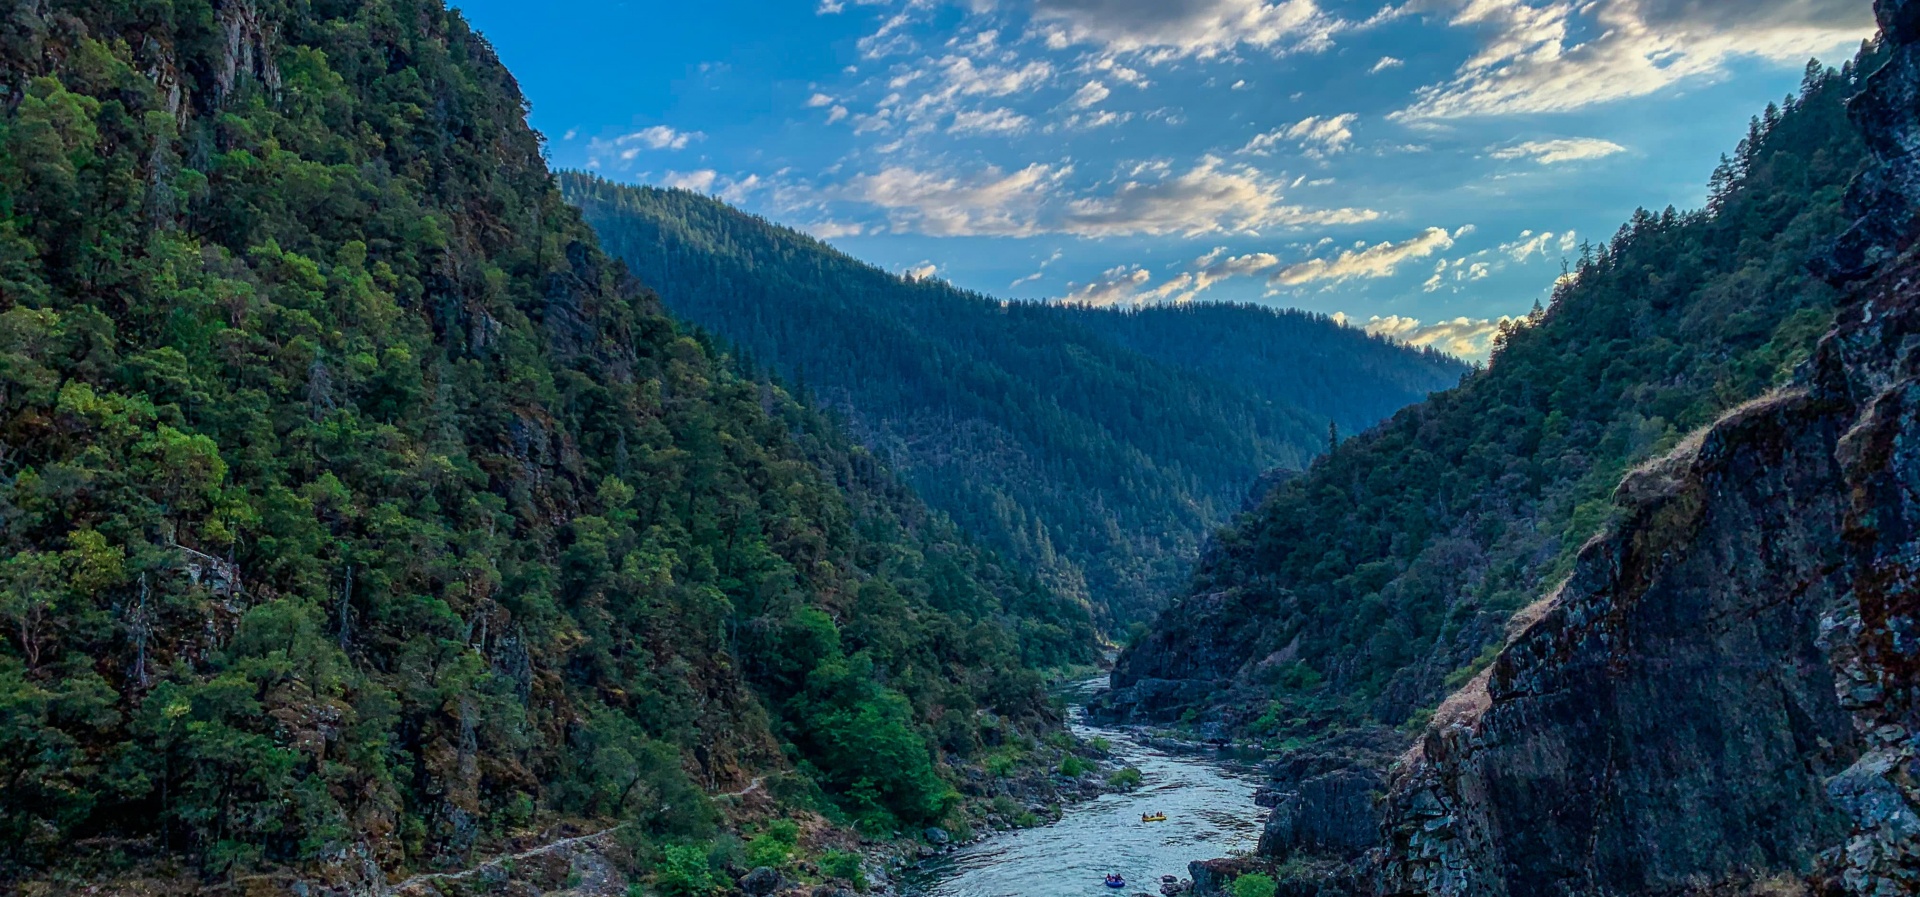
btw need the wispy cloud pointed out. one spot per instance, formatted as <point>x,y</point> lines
<point>1542,56</point>
<point>1554,152</point>
<point>1317,137</point>
<point>1385,63</point>
<point>1210,197</point>
<point>659,137</point>
<point>1467,338</point>
<point>1092,94</point>
<point>1161,30</point>
<point>1376,261</point>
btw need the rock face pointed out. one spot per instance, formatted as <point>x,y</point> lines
<point>1723,693</point>
<point>1331,815</point>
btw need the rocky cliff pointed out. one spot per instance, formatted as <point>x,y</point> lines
<point>1721,696</point>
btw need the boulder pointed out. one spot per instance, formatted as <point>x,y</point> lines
<point>760,882</point>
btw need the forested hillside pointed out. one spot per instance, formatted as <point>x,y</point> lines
<point>1385,577</point>
<point>1098,447</point>
<point>357,513</point>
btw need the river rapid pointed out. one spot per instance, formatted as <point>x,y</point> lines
<point>1210,813</point>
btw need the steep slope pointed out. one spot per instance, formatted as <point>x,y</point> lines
<point>358,514</point>
<point>1096,447</point>
<point>1366,589</point>
<point>1723,694</point>
<point>1290,357</point>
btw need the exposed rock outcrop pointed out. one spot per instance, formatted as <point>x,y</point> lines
<point>1722,694</point>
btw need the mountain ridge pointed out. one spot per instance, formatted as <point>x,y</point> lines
<point>1097,446</point>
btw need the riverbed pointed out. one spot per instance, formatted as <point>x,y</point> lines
<point>1210,813</point>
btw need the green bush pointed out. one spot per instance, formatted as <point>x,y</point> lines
<point>1074,767</point>
<point>774,848</point>
<point>1127,778</point>
<point>683,872</point>
<point>844,865</point>
<point>1255,884</point>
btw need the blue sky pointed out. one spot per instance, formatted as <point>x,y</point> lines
<point>1422,168</point>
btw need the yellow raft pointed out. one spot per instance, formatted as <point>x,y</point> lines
<point>1157,817</point>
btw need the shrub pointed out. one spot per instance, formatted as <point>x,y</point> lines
<point>844,865</point>
<point>1127,778</point>
<point>684,872</point>
<point>1255,884</point>
<point>1073,767</point>
<point>774,847</point>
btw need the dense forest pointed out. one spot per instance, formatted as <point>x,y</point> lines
<point>357,511</point>
<point>1098,447</point>
<point>1366,589</point>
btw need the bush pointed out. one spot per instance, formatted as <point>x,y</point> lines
<point>844,865</point>
<point>684,872</point>
<point>1126,779</point>
<point>1073,767</point>
<point>774,847</point>
<point>1255,884</point>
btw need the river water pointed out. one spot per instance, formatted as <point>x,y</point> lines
<point>1210,813</point>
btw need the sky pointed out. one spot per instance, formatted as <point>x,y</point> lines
<point>1420,169</point>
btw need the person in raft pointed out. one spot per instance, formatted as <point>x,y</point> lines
<point>1115,881</point>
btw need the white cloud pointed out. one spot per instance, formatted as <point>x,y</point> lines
<point>1210,197</point>
<point>1317,137</point>
<point>988,121</point>
<point>921,271</point>
<point>1386,62</point>
<point>1554,152</point>
<point>1090,95</point>
<point>1120,285</point>
<point>1541,56</point>
<point>920,107</point>
<point>827,230</point>
<point>1376,261</point>
<point>1528,246</point>
<point>1461,337</point>
<point>989,203</point>
<point>1129,283</point>
<point>818,100</point>
<point>1162,30</point>
<point>659,137</point>
<point>700,181</point>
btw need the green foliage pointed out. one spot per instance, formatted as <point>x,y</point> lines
<point>844,866</point>
<point>1098,447</point>
<point>683,871</point>
<point>774,848</point>
<point>1393,564</point>
<point>1255,884</point>
<point>1126,778</point>
<point>350,494</point>
<point>1074,767</point>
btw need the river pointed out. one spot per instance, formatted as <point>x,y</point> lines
<point>1210,813</point>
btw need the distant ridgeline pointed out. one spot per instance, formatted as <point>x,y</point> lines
<point>1383,578</point>
<point>1099,447</point>
<point>357,513</point>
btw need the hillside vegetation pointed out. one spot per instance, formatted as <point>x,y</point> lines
<point>1384,577</point>
<point>356,509</point>
<point>1098,447</point>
